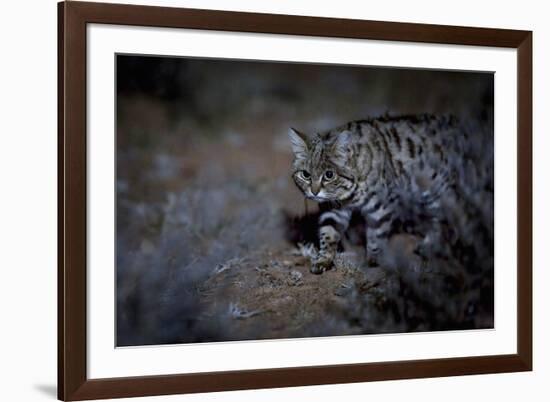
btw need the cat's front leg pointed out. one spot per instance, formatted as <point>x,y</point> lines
<point>332,226</point>
<point>379,218</point>
<point>328,246</point>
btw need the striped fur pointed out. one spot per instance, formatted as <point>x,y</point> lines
<point>383,167</point>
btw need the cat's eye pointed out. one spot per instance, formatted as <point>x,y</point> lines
<point>305,175</point>
<point>329,175</point>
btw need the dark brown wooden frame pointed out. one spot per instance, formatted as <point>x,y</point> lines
<point>73,383</point>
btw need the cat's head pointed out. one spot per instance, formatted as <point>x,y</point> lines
<point>321,167</point>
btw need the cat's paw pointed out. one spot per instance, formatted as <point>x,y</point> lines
<point>320,265</point>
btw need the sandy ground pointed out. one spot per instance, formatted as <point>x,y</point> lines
<point>275,291</point>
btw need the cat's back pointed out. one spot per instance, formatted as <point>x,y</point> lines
<point>400,145</point>
<point>411,137</point>
<point>405,145</point>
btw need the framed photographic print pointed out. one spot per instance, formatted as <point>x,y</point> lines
<point>252,200</point>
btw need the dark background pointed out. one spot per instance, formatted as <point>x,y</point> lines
<point>207,215</point>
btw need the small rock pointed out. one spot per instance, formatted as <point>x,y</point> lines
<point>344,290</point>
<point>295,278</point>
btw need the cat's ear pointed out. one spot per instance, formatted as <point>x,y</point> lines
<point>342,144</point>
<point>299,143</point>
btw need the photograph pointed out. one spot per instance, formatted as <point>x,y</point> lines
<point>268,200</point>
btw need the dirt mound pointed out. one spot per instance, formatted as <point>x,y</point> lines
<point>272,294</point>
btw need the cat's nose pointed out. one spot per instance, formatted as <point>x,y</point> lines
<point>315,188</point>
